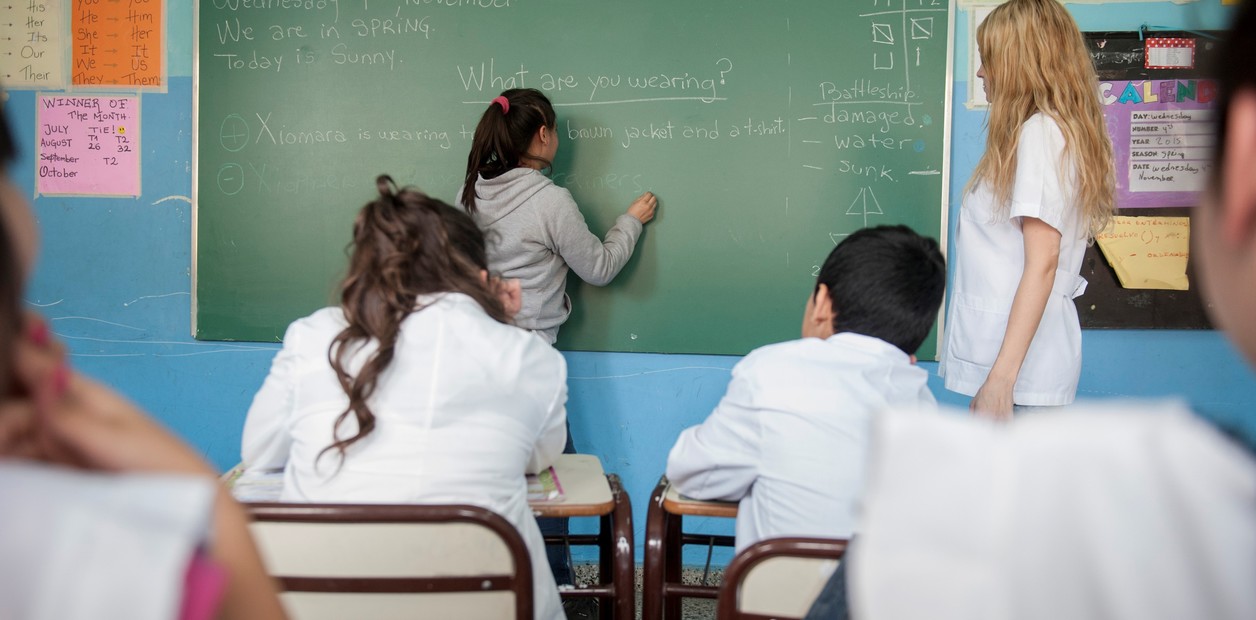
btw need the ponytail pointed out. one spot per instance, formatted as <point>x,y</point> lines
<point>503,135</point>
<point>405,245</point>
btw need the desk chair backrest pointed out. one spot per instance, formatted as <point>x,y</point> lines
<point>777,578</point>
<point>375,562</point>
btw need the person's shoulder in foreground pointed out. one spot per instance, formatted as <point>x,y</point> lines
<point>1112,511</point>
<point>1132,510</point>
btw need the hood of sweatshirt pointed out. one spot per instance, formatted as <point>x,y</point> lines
<point>497,197</point>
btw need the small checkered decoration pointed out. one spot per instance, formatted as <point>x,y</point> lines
<point>1169,53</point>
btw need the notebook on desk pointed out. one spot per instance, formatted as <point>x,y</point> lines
<point>267,486</point>
<point>263,486</point>
<point>544,486</point>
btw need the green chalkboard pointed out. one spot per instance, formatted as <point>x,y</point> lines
<point>768,130</point>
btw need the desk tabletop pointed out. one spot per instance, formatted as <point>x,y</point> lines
<point>678,504</point>
<point>586,491</point>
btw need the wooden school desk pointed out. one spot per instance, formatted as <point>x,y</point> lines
<point>587,492</point>
<point>663,589</point>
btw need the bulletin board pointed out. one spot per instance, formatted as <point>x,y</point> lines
<point>1160,124</point>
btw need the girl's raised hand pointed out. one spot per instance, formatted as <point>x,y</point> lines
<point>17,430</point>
<point>64,418</point>
<point>643,207</point>
<point>101,430</point>
<point>78,422</point>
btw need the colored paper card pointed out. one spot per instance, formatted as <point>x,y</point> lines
<point>32,44</point>
<point>1170,150</point>
<point>1169,53</point>
<point>1148,252</point>
<point>88,146</point>
<point>976,86</point>
<point>1162,137</point>
<point>118,44</point>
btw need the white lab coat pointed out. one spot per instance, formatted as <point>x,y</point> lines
<point>788,440</point>
<point>1127,512</point>
<point>989,262</point>
<point>466,408</point>
<point>78,545</point>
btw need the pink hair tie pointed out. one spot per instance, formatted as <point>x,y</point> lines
<point>504,103</point>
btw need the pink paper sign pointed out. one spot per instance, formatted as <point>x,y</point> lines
<point>88,146</point>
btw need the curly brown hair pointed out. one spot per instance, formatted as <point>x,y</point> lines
<point>405,245</point>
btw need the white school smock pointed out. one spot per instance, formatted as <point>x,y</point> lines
<point>466,408</point>
<point>789,439</point>
<point>82,545</point>
<point>1133,511</point>
<point>989,262</point>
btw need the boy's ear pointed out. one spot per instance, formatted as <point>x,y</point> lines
<point>822,315</point>
<point>1238,173</point>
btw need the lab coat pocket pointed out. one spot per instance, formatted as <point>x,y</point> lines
<point>977,328</point>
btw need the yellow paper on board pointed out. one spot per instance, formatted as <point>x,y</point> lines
<point>1148,252</point>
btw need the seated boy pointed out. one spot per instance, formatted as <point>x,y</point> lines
<point>788,439</point>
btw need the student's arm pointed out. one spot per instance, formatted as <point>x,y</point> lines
<point>553,436</point>
<point>1042,257</point>
<point>1042,203</point>
<point>251,593</point>
<point>266,441</point>
<point>596,261</point>
<point>106,432</point>
<point>719,459</point>
<point>84,424</point>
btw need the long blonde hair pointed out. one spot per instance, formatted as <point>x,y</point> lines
<point>1036,61</point>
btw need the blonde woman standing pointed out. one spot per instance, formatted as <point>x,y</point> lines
<point>1042,190</point>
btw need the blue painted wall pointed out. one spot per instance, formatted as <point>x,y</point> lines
<point>114,277</point>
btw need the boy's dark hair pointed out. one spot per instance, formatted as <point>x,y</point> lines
<point>1235,72</point>
<point>885,282</point>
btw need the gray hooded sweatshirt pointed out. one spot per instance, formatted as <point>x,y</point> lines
<point>535,232</point>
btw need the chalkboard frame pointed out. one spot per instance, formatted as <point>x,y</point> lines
<point>943,110</point>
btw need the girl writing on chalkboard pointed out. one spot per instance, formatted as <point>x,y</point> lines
<point>415,388</point>
<point>535,230</point>
<point>1042,189</point>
